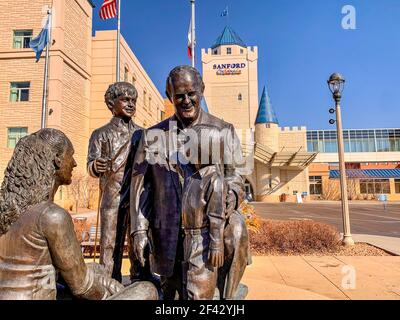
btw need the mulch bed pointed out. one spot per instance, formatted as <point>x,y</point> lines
<point>359,250</point>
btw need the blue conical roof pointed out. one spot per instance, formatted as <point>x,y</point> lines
<point>266,113</point>
<point>228,37</point>
<point>204,105</point>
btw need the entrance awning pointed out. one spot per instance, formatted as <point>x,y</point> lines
<point>299,159</point>
<point>367,174</point>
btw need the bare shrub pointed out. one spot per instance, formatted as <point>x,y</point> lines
<point>352,191</point>
<point>83,191</point>
<point>294,237</point>
<point>330,189</point>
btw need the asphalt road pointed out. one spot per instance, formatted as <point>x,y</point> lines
<point>366,218</point>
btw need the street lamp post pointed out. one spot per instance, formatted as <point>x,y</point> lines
<point>336,85</point>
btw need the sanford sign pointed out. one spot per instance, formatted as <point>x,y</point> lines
<point>227,69</point>
<point>229,66</point>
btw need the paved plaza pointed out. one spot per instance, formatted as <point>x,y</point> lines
<point>320,278</point>
<point>366,217</point>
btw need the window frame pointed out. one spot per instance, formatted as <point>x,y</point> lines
<point>315,185</point>
<point>23,38</point>
<point>19,91</point>
<point>397,186</point>
<point>18,136</point>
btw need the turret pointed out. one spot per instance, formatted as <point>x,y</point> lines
<point>267,125</point>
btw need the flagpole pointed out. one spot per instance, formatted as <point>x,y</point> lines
<point>46,71</point>
<point>193,37</point>
<point>119,42</point>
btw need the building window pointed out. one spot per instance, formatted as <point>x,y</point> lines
<point>378,140</point>
<point>22,38</point>
<point>215,52</point>
<point>150,103</point>
<point>14,135</point>
<point>133,79</point>
<point>375,186</point>
<point>315,185</point>
<point>228,50</point>
<point>126,74</point>
<point>19,91</point>
<point>241,51</point>
<point>240,97</point>
<point>397,185</point>
<point>145,98</point>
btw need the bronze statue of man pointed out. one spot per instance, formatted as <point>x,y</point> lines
<point>109,147</point>
<point>37,237</point>
<point>156,194</point>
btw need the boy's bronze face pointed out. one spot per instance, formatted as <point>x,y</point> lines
<point>125,106</point>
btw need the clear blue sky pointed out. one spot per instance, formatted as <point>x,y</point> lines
<point>300,44</point>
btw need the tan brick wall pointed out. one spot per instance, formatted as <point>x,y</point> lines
<point>268,135</point>
<point>104,73</point>
<point>222,91</point>
<point>25,15</point>
<point>293,139</point>
<point>21,15</point>
<point>69,72</point>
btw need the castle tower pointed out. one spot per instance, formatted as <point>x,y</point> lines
<point>231,80</point>
<point>267,125</point>
<point>267,133</point>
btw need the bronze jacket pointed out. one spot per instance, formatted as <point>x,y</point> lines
<point>113,142</point>
<point>156,194</point>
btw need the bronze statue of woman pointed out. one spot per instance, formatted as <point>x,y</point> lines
<point>37,237</point>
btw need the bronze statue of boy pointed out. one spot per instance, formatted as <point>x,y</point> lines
<point>109,148</point>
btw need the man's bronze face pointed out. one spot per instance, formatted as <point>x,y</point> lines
<point>67,165</point>
<point>187,93</point>
<point>125,106</point>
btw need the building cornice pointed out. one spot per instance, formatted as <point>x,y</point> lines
<point>91,3</point>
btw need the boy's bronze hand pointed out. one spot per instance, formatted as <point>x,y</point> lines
<point>101,165</point>
<point>216,258</point>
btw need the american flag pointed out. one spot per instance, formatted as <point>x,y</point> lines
<point>190,53</point>
<point>108,9</point>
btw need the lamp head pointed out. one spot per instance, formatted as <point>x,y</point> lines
<point>336,83</point>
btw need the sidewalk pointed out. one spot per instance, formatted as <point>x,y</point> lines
<point>316,278</point>
<point>389,244</point>
<point>320,278</point>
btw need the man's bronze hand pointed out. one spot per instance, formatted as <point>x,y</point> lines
<point>112,285</point>
<point>101,165</point>
<point>140,242</point>
<point>216,258</point>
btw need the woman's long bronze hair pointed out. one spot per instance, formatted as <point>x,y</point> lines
<point>30,174</point>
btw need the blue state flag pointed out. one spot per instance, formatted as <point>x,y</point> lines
<point>41,41</point>
<point>225,12</point>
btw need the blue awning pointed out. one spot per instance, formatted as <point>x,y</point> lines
<point>367,174</point>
